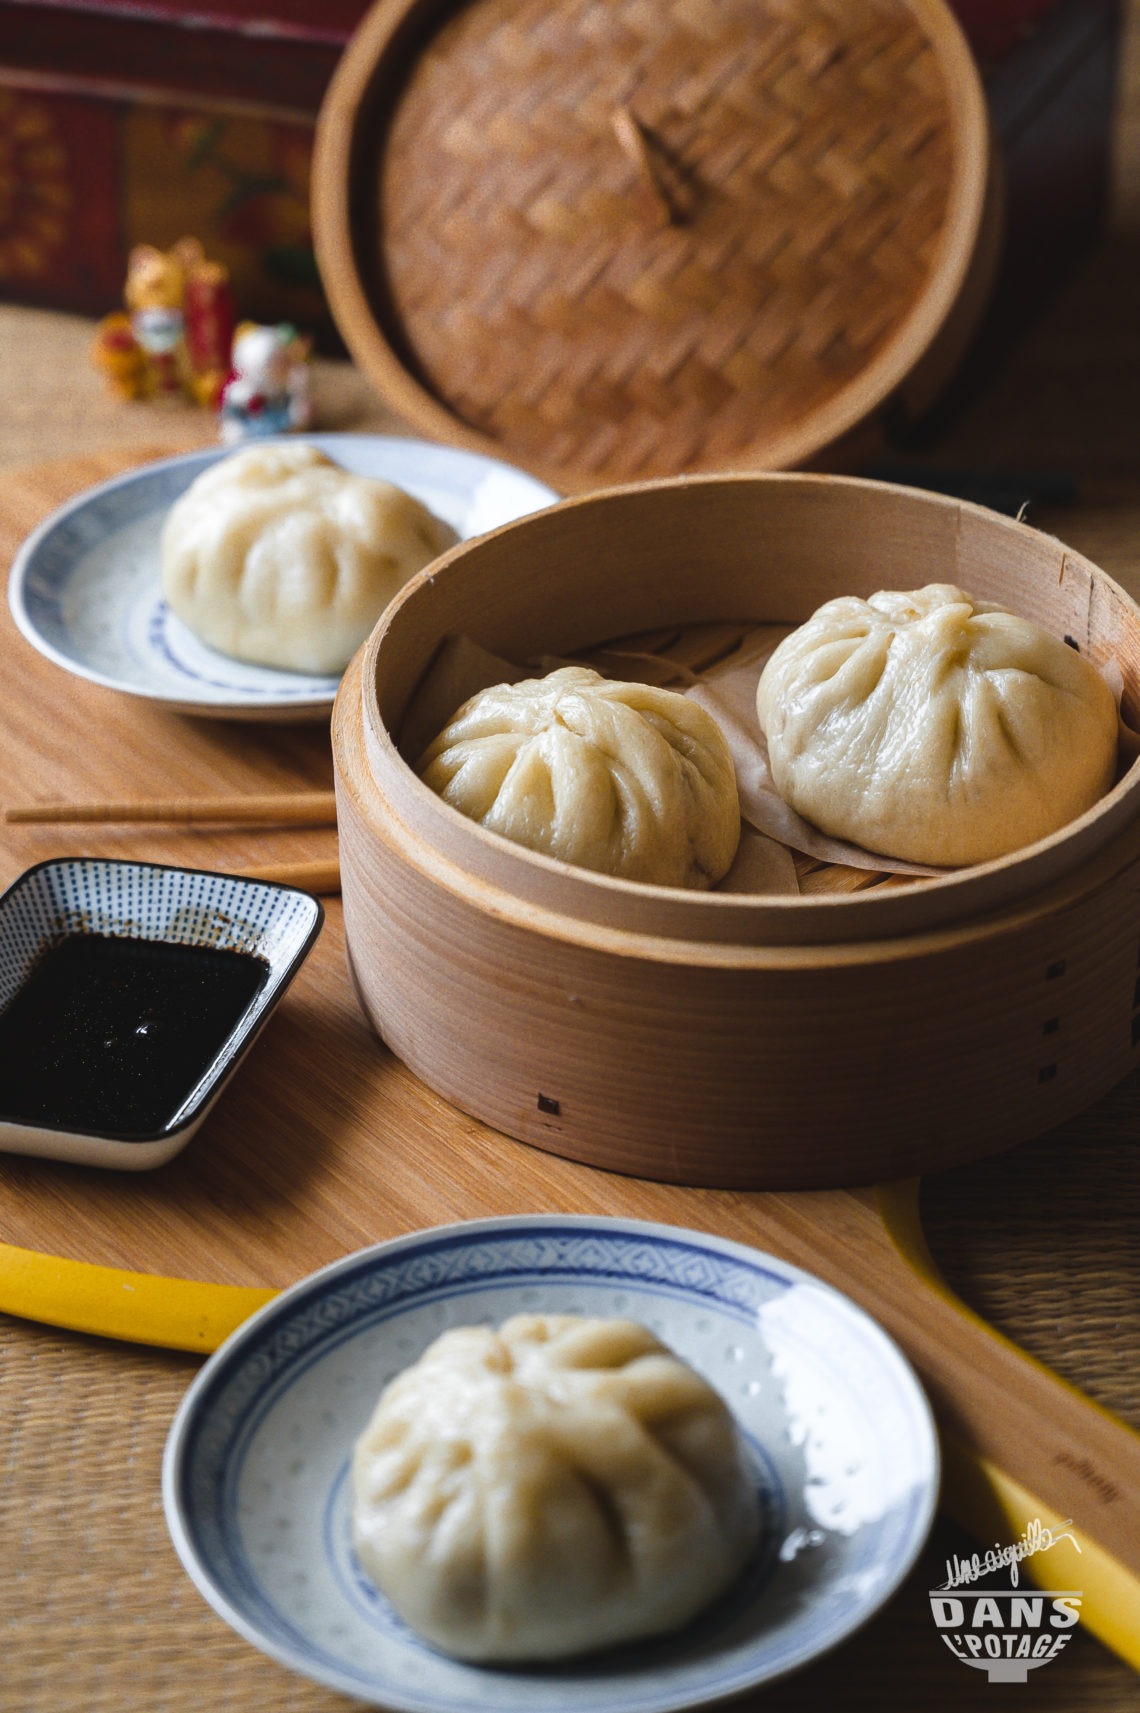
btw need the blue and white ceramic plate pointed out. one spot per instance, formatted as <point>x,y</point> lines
<point>257,1486</point>
<point>148,901</point>
<point>85,587</point>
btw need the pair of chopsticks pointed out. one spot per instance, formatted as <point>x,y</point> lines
<point>282,809</point>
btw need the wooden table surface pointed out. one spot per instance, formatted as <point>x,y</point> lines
<point>96,1612</point>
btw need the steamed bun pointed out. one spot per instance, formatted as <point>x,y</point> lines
<point>625,779</point>
<point>278,556</point>
<point>554,1486</point>
<point>934,727</point>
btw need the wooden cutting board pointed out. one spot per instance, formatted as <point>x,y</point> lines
<point>325,1143</point>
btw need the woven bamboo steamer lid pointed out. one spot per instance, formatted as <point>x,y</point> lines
<point>610,241</point>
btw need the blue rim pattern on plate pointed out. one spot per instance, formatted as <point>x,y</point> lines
<point>297,1382</point>
<point>84,588</point>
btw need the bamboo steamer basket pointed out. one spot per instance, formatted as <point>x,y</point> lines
<point>717,1039</point>
<point>609,241</point>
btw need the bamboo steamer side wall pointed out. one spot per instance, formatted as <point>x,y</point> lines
<point>743,1067</point>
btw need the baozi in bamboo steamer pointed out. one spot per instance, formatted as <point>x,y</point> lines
<point>626,779</point>
<point>934,727</point>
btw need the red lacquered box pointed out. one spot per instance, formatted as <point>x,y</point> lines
<point>129,123</point>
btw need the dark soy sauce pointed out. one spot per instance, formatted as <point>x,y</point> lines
<point>112,1034</point>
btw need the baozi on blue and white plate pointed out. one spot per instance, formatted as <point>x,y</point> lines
<point>933,727</point>
<point>278,556</point>
<point>554,1486</point>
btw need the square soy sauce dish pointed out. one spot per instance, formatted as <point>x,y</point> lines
<point>129,994</point>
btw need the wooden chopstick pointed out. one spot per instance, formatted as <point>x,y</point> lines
<point>286,808</point>
<point>321,877</point>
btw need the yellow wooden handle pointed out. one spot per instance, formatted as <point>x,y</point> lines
<point>988,1502</point>
<point>143,1308</point>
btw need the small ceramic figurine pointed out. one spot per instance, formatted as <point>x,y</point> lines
<point>118,355</point>
<point>174,339</point>
<point>208,333</point>
<point>153,295</point>
<point>268,389</point>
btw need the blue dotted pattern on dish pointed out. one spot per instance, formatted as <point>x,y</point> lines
<point>147,901</point>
